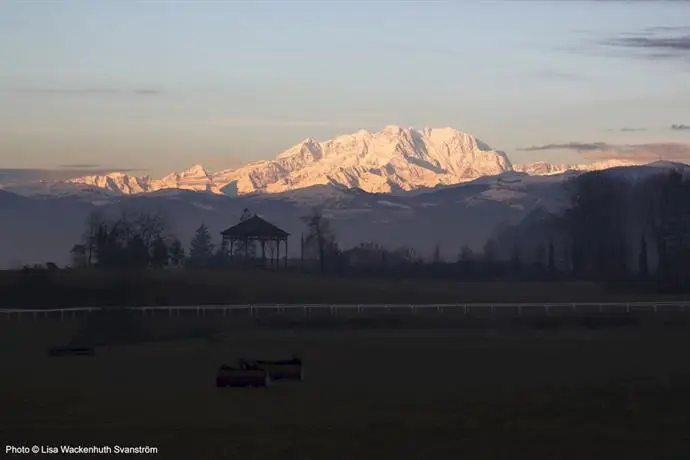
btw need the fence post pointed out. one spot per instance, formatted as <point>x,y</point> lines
<point>627,308</point>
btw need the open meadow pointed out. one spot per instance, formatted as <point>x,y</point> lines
<point>70,288</point>
<point>374,388</point>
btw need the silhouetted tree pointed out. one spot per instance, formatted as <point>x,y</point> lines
<point>221,257</point>
<point>644,269</point>
<point>489,252</point>
<point>137,252</point>
<point>516,260</point>
<point>436,255</point>
<point>539,256</point>
<point>320,238</point>
<point>552,257</point>
<point>123,242</point>
<point>94,222</point>
<point>201,248</point>
<point>177,253</point>
<point>466,254</point>
<point>160,253</point>
<point>78,256</point>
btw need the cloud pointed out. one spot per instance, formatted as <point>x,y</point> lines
<point>655,42</point>
<point>632,130</point>
<point>92,91</point>
<point>556,75</point>
<point>671,151</point>
<point>680,127</point>
<point>146,92</point>
<point>576,146</point>
<point>80,166</point>
<point>242,122</point>
<point>18,176</point>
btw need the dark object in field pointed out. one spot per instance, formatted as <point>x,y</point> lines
<point>71,351</point>
<point>242,377</point>
<point>284,369</point>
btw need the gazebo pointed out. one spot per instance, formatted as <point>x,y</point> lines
<point>256,229</point>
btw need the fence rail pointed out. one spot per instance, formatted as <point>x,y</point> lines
<point>465,308</point>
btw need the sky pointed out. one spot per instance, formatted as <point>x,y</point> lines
<point>161,85</point>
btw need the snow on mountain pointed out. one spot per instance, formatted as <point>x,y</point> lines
<point>543,168</point>
<point>116,182</point>
<point>195,178</point>
<point>394,159</point>
<point>448,215</point>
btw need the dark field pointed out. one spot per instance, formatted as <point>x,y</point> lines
<point>401,388</point>
<point>69,288</point>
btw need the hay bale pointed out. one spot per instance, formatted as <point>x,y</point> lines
<point>238,377</point>
<point>71,351</point>
<point>285,369</point>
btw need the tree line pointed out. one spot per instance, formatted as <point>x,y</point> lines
<point>612,229</point>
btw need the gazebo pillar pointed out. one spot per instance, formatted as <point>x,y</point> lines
<point>286,253</point>
<point>277,265</point>
<point>263,253</point>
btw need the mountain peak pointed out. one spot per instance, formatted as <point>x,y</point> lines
<point>195,171</point>
<point>393,159</point>
<point>393,129</point>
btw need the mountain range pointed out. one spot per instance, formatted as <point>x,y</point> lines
<point>393,160</point>
<point>399,187</point>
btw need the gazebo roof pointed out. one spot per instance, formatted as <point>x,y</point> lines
<point>257,227</point>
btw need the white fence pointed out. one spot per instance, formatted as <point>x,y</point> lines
<point>335,309</point>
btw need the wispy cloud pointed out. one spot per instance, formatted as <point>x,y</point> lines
<point>18,176</point>
<point>242,122</point>
<point>672,151</point>
<point>557,75</point>
<point>654,43</point>
<point>80,166</point>
<point>632,130</point>
<point>92,91</point>
<point>576,146</point>
<point>680,127</point>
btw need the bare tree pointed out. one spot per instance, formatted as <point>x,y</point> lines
<point>436,255</point>
<point>94,222</point>
<point>466,254</point>
<point>177,253</point>
<point>320,238</point>
<point>78,256</point>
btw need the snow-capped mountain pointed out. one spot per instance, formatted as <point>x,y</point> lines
<point>543,168</point>
<point>394,159</point>
<point>115,182</point>
<point>450,215</point>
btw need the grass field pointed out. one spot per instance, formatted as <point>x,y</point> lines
<point>65,288</point>
<point>370,392</point>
